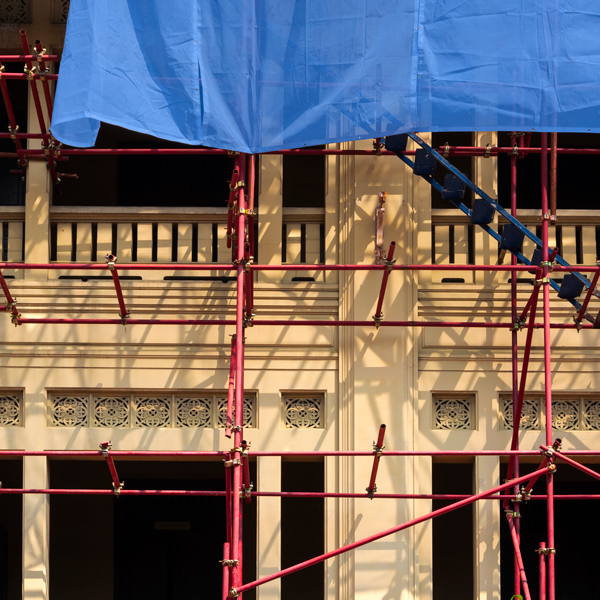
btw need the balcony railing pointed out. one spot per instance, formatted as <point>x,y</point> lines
<point>454,240</point>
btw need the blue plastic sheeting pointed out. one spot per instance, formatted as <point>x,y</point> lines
<point>260,75</point>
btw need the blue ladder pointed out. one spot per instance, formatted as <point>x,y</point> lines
<point>397,144</point>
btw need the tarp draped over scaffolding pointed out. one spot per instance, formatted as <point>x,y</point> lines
<point>259,75</point>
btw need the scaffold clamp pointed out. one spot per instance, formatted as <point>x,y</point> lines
<point>515,151</point>
<point>110,259</point>
<point>117,488</point>
<point>233,593</point>
<point>518,324</point>
<point>389,264</point>
<point>378,450</point>
<point>488,151</point>
<point>230,562</point>
<point>237,185</point>
<point>545,551</point>
<point>446,152</point>
<point>105,447</point>
<point>378,320</point>
<point>371,492</point>
<point>13,131</point>
<point>246,492</point>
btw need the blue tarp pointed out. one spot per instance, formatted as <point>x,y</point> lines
<point>260,75</point>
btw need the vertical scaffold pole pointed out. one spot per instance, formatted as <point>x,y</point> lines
<point>542,553</point>
<point>515,368</point>
<point>547,364</point>
<point>236,575</point>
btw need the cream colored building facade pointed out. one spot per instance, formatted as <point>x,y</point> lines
<point>356,377</point>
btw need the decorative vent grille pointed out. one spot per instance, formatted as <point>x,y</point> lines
<point>453,412</point>
<point>568,413</point>
<point>303,412</point>
<point>11,406</point>
<point>15,11</point>
<point>140,411</point>
<point>60,11</point>
<point>530,415</point>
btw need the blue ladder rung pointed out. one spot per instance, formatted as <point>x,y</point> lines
<point>454,187</point>
<point>425,163</point>
<point>482,213</point>
<point>396,143</point>
<point>571,287</point>
<point>512,237</point>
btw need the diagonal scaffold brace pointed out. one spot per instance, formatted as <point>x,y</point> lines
<point>117,485</point>
<point>11,303</point>
<point>389,263</point>
<point>378,448</point>
<point>111,259</point>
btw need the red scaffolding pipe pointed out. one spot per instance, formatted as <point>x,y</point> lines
<point>520,569</point>
<point>286,267</point>
<point>236,573</point>
<point>40,59</point>
<point>231,388</point>
<point>111,259</point>
<point>377,450</point>
<point>235,591</point>
<point>547,363</point>
<point>38,107</point>
<point>290,323</point>
<point>389,265</point>
<point>105,449</point>
<point>123,454</point>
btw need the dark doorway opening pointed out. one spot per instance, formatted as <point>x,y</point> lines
<point>142,547</point>
<point>302,529</point>
<point>453,546</point>
<point>577,527</point>
<point>11,531</point>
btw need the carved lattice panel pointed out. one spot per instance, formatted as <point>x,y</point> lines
<point>15,11</point>
<point>152,412</point>
<point>453,413</point>
<point>530,413</point>
<point>303,413</point>
<point>249,412</point>
<point>10,410</point>
<point>193,412</point>
<point>591,414</point>
<point>69,411</point>
<point>60,11</point>
<point>565,415</point>
<point>111,412</point>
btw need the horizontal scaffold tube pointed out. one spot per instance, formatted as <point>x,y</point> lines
<point>463,151</point>
<point>222,453</point>
<point>289,323</point>
<point>290,267</point>
<point>221,493</point>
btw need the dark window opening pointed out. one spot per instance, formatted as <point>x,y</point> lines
<point>463,163</point>
<point>142,547</point>
<point>575,188</point>
<point>302,530</point>
<point>304,180</point>
<point>11,531</point>
<point>453,546</point>
<point>12,186</point>
<point>143,180</point>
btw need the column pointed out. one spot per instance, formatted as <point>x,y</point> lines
<point>35,529</point>
<point>271,215</point>
<point>269,526</point>
<point>487,530</point>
